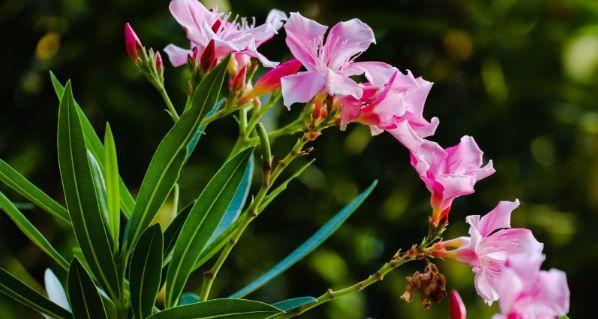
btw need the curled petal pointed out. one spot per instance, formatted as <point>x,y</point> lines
<point>346,40</point>
<point>301,87</point>
<point>377,73</point>
<point>266,31</point>
<point>177,55</point>
<point>499,217</point>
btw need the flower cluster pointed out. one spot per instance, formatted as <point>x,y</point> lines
<point>506,261</point>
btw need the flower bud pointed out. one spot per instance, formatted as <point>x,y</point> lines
<point>271,80</point>
<point>132,43</point>
<point>207,61</point>
<point>237,83</point>
<point>160,66</point>
<point>456,307</point>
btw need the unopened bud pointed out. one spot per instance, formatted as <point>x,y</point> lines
<point>237,83</point>
<point>159,65</point>
<point>456,306</point>
<point>207,60</point>
<point>271,80</point>
<point>266,152</point>
<point>132,43</point>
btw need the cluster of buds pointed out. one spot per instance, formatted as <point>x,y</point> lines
<point>148,61</point>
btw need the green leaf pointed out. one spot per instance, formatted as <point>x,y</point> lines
<point>174,229</point>
<point>20,292</point>
<point>193,143</point>
<point>202,221</point>
<point>220,309</point>
<point>188,298</point>
<point>294,303</point>
<point>30,231</point>
<point>168,160</point>
<point>84,297</point>
<point>564,317</point>
<point>236,206</point>
<point>146,271</point>
<point>94,144</point>
<point>81,196</point>
<point>100,185</point>
<point>309,245</point>
<point>283,186</point>
<point>112,185</point>
<point>213,247</point>
<point>21,185</point>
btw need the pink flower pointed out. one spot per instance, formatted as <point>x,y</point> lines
<point>329,65</point>
<point>456,306</point>
<point>490,244</point>
<point>527,292</point>
<point>389,99</point>
<point>132,43</point>
<point>447,173</point>
<point>237,36</point>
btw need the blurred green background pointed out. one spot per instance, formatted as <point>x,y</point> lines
<point>520,76</point>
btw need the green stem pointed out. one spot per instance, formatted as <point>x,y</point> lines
<point>397,260</point>
<point>247,217</point>
<point>169,105</point>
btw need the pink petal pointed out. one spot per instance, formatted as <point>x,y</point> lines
<point>464,156</point>
<point>266,31</point>
<point>377,73</point>
<point>555,291</point>
<point>338,84</point>
<point>407,136</point>
<point>301,87</point>
<point>271,80</point>
<point>304,38</point>
<point>177,55</point>
<point>346,40</point>
<point>192,15</point>
<point>484,285</point>
<point>499,217</point>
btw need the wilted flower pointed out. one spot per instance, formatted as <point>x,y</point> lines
<point>132,43</point>
<point>448,173</point>
<point>527,292</point>
<point>237,35</point>
<point>329,65</point>
<point>490,244</point>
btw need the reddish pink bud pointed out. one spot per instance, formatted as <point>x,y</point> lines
<point>271,80</point>
<point>159,64</point>
<point>132,43</point>
<point>456,307</point>
<point>207,60</point>
<point>237,83</point>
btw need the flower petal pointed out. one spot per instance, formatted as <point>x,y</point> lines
<point>377,73</point>
<point>499,217</point>
<point>301,87</point>
<point>338,84</point>
<point>304,38</point>
<point>346,40</point>
<point>177,55</point>
<point>266,31</point>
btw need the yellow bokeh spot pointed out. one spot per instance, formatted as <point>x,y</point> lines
<point>48,46</point>
<point>458,44</point>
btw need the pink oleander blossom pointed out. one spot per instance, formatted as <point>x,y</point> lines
<point>329,65</point>
<point>490,244</point>
<point>390,98</point>
<point>237,35</point>
<point>448,173</point>
<point>526,292</point>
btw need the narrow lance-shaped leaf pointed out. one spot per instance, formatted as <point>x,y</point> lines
<point>30,231</point>
<point>145,271</point>
<point>21,185</point>
<point>20,292</point>
<point>221,309</point>
<point>100,185</point>
<point>294,303</point>
<point>112,185</point>
<point>81,196</point>
<point>84,297</point>
<point>168,160</point>
<point>174,229</point>
<point>236,206</point>
<point>94,144</point>
<point>308,246</point>
<point>202,222</point>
